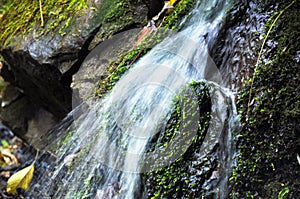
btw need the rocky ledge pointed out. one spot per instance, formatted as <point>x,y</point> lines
<point>44,46</point>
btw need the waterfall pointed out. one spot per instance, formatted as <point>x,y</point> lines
<point>103,150</point>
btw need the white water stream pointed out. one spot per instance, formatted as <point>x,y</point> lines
<point>115,132</point>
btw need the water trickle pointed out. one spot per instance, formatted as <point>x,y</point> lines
<point>102,154</point>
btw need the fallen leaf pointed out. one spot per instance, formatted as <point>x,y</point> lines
<point>5,174</point>
<point>168,6</point>
<point>21,179</point>
<point>6,158</point>
<point>172,2</point>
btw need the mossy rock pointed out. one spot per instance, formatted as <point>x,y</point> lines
<point>117,67</point>
<point>188,176</point>
<point>269,141</point>
<point>44,45</point>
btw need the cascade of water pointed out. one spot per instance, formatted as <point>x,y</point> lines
<point>110,140</point>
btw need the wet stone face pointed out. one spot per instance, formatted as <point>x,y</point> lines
<point>191,175</point>
<point>269,140</point>
<point>42,66</point>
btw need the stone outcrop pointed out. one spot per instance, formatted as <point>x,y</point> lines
<point>39,60</point>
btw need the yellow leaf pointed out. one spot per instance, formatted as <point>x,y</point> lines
<point>21,179</point>
<point>172,2</point>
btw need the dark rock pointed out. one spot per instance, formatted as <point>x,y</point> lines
<point>195,173</point>
<point>5,133</point>
<point>154,7</point>
<point>15,113</point>
<point>26,119</point>
<point>41,82</point>
<point>233,50</point>
<point>266,163</point>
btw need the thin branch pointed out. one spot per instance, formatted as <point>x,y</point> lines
<point>36,156</point>
<point>41,12</point>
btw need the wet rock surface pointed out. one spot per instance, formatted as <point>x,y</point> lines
<point>268,144</point>
<point>40,61</point>
<point>194,173</point>
<point>235,49</point>
<point>97,65</point>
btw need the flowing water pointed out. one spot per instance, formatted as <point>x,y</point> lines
<point>104,149</point>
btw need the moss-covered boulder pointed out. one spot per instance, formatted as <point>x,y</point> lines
<point>185,175</point>
<point>107,62</point>
<point>43,45</point>
<point>268,143</point>
<point>267,165</point>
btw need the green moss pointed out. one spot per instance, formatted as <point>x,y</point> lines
<point>283,193</point>
<point>57,144</point>
<point>68,137</point>
<point>115,16</point>
<point>21,18</point>
<point>5,5</point>
<point>174,180</point>
<point>117,69</point>
<point>3,84</point>
<point>84,193</point>
<point>124,62</point>
<point>182,8</point>
<point>269,140</point>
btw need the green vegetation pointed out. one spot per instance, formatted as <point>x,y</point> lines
<point>173,180</point>
<point>57,144</point>
<point>269,140</point>
<point>27,17</point>
<point>5,5</point>
<point>261,50</point>
<point>114,16</point>
<point>119,67</point>
<point>182,8</point>
<point>3,84</point>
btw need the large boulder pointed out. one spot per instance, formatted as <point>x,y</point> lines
<point>45,45</point>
